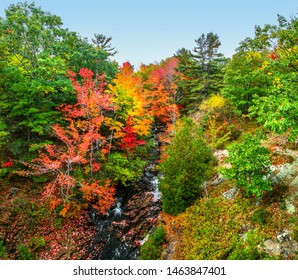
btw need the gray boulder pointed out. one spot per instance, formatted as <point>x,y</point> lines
<point>230,194</point>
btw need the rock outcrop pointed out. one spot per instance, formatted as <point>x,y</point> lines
<point>121,233</point>
<point>283,247</point>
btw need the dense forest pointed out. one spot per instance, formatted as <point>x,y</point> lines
<point>79,133</point>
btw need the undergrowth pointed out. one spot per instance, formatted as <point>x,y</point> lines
<point>215,228</point>
<point>152,248</point>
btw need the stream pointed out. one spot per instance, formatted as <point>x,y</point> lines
<point>121,232</point>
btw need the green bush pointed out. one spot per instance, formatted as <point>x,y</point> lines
<point>123,169</point>
<point>3,172</point>
<point>3,254</point>
<point>24,253</point>
<point>295,233</point>
<point>261,216</point>
<point>248,249</point>
<point>188,164</point>
<point>250,166</point>
<point>36,243</point>
<point>152,248</point>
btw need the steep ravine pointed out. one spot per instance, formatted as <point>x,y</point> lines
<point>120,233</point>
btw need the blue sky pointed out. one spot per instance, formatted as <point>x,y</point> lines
<point>148,31</point>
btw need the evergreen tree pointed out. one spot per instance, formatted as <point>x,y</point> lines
<point>188,164</point>
<point>201,71</point>
<point>103,42</point>
<point>187,70</point>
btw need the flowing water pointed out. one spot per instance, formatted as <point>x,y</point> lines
<point>121,232</point>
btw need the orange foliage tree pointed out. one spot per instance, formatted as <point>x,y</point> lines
<point>76,161</point>
<point>116,116</point>
<point>161,96</point>
<point>132,114</point>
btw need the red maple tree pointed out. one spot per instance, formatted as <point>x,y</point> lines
<point>129,139</point>
<point>82,146</point>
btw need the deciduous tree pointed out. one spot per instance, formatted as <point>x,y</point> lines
<point>75,162</point>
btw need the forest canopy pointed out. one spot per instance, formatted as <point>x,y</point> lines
<point>76,128</point>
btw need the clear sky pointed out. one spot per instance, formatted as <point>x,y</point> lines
<point>151,30</point>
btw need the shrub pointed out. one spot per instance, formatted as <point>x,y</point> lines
<point>187,165</point>
<point>261,216</point>
<point>3,254</point>
<point>3,172</point>
<point>217,134</point>
<point>295,233</point>
<point>152,248</point>
<point>214,105</point>
<point>248,249</point>
<point>24,253</point>
<point>209,229</point>
<point>250,166</point>
<point>123,169</point>
<point>37,243</point>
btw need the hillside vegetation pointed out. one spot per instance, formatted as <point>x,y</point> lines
<point>76,128</point>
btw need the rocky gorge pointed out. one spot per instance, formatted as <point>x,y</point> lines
<point>121,232</point>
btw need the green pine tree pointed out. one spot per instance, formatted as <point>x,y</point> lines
<point>201,71</point>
